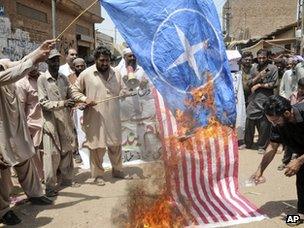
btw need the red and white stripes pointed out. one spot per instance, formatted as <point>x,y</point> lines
<point>204,185</point>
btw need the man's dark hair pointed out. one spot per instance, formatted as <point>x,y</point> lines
<point>246,54</point>
<point>263,52</point>
<point>89,60</point>
<point>276,106</point>
<point>301,82</point>
<point>101,50</point>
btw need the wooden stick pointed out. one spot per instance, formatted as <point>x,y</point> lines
<point>112,98</point>
<point>108,99</point>
<point>76,19</point>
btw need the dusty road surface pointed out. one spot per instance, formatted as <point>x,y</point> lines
<point>93,206</point>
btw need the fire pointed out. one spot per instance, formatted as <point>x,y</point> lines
<point>186,130</point>
<point>160,211</point>
<point>150,211</point>
<point>203,95</point>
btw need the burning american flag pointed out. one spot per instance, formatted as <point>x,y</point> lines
<point>179,44</point>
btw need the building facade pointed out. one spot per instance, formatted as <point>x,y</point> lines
<point>24,24</point>
<point>104,40</point>
<point>246,19</point>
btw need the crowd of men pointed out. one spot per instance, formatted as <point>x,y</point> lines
<point>47,117</point>
<point>273,91</point>
<point>262,77</point>
<point>41,114</point>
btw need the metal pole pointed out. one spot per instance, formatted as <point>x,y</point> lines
<point>54,18</point>
<point>302,28</point>
<point>228,18</point>
<point>115,36</point>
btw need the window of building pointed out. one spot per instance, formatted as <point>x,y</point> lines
<point>31,13</point>
<point>82,30</point>
<point>288,46</point>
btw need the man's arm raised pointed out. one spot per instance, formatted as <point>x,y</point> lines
<point>17,72</point>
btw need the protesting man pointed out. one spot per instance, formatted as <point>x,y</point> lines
<point>67,68</point>
<point>101,120</point>
<point>137,112</point>
<point>16,147</point>
<point>59,139</point>
<point>262,82</point>
<point>289,80</point>
<point>28,96</point>
<point>287,129</point>
<point>237,78</point>
<point>246,67</point>
<point>79,65</point>
<point>296,98</point>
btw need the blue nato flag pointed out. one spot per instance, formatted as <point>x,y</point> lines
<point>178,43</point>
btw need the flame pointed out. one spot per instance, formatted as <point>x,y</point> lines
<point>160,211</point>
<point>186,130</point>
<point>146,211</point>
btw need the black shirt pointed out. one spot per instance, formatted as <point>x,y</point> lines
<point>256,100</point>
<point>291,134</point>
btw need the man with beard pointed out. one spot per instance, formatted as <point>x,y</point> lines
<point>246,67</point>
<point>289,82</point>
<point>67,68</point>
<point>79,65</point>
<point>28,96</point>
<point>296,98</point>
<point>137,112</point>
<point>16,147</point>
<point>101,120</point>
<point>59,139</point>
<point>287,129</point>
<point>262,82</point>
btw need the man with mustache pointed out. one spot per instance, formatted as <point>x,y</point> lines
<point>137,112</point>
<point>28,95</point>
<point>263,80</point>
<point>59,138</point>
<point>101,121</point>
<point>67,68</point>
<point>79,65</point>
<point>288,129</point>
<point>16,147</point>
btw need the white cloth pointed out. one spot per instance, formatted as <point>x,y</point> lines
<point>240,104</point>
<point>126,51</point>
<point>81,137</point>
<point>78,123</point>
<point>233,57</point>
<point>65,70</point>
<point>289,84</point>
<point>300,70</point>
<point>140,140</point>
<point>121,65</point>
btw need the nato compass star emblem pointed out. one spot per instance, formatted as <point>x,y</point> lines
<point>185,46</point>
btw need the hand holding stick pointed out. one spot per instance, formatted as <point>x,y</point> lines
<point>90,103</point>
